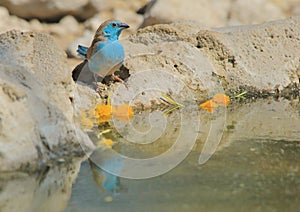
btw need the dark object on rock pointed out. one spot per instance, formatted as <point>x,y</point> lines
<point>146,8</point>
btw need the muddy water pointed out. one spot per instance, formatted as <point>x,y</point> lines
<point>255,166</point>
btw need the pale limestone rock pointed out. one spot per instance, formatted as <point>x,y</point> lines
<point>259,57</point>
<point>215,13</point>
<point>56,9</point>
<point>254,12</point>
<point>48,9</point>
<point>209,13</point>
<point>37,113</point>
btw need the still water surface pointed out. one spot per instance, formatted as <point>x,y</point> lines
<point>256,167</point>
<point>259,175</point>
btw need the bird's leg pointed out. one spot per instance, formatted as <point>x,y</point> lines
<point>117,78</point>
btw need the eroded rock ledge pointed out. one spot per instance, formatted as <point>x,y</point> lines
<point>258,58</point>
<point>36,113</point>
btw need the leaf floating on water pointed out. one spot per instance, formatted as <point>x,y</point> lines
<point>221,99</point>
<point>106,142</point>
<point>123,113</point>
<point>103,113</point>
<point>209,106</point>
<point>217,101</point>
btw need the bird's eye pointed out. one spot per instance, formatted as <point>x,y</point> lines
<point>114,24</point>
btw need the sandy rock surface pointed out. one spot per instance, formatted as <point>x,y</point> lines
<point>216,13</point>
<point>49,9</point>
<point>263,58</point>
<point>36,114</point>
<point>55,9</point>
<point>68,32</point>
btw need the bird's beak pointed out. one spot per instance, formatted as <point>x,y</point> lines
<point>124,26</point>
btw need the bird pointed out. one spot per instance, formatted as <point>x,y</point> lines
<point>105,54</point>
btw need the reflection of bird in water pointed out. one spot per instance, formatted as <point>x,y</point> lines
<point>105,55</point>
<point>106,181</point>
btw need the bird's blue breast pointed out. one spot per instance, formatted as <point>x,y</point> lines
<point>107,55</point>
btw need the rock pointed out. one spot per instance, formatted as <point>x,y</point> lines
<point>218,13</point>
<point>289,7</point>
<point>36,116</point>
<point>262,56</point>
<point>8,22</point>
<point>48,9</point>
<point>67,24</point>
<point>64,31</point>
<point>254,12</point>
<point>85,40</point>
<point>84,98</point>
<point>198,62</point>
<point>93,23</point>
<point>131,18</point>
<point>53,10</point>
<point>36,26</point>
<point>209,13</point>
<point>103,5</point>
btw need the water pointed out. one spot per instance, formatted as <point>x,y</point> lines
<point>259,175</point>
<point>256,167</point>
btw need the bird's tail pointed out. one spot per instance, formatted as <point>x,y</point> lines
<point>81,50</point>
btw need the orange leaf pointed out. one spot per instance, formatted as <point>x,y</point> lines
<point>103,112</point>
<point>106,142</point>
<point>221,99</point>
<point>123,113</point>
<point>209,106</point>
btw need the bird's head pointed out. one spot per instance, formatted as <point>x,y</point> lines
<point>112,29</point>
